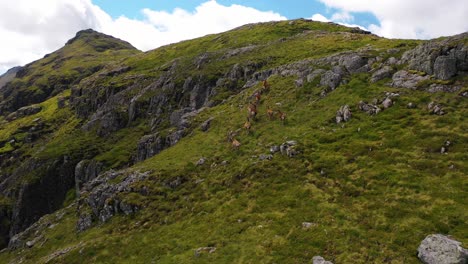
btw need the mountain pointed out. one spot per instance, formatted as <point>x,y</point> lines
<point>353,149</point>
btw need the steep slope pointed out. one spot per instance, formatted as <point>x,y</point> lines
<point>144,141</point>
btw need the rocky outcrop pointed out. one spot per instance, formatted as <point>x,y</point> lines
<point>289,148</point>
<point>443,58</point>
<point>405,79</point>
<point>440,249</point>
<point>101,200</point>
<point>24,111</point>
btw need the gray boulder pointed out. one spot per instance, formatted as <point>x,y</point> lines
<point>387,103</point>
<point>380,74</point>
<point>445,67</point>
<point>343,114</point>
<point>405,79</point>
<point>440,249</point>
<point>371,109</point>
<point>354,63</point>
<point>435,108</point>
<point>330,79</point>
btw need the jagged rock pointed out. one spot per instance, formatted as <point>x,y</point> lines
<point>354,63</point>
<point>369,108</point>
<point>101,196</point>
<point>288,148</point>
<point>274,149</point>
<point>330,80</point>
<point>445,67</point>
<point>440,249</point>
<point>435,108</point>
<point>405,79</point>
<point>320,260</point>
<point>343,114</point>
<point>385,72</point>
<point>206,125</point>
<point>85,171</point>
<point>387,103</point>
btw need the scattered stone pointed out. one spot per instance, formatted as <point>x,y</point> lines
<point>410,105</point>
<point>444,149</point>
<point>288,148</point>
<point>320,260</point>
<point>440,249</point>
<point>343,114</point>
<point>463,94</point>
<point>200,250</point>
<point>435,108</point>
<point>274,149</point>
<point>307,225</point>
<point>265,157</point>
<point>201,161</point>
<point>387,103</point>
<point>369,108</point>
<point>224,162</point>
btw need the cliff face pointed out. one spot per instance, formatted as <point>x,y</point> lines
<point>126,140</point>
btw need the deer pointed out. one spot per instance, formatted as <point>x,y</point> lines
<point>270,113</point>
<point>282,116</point>
<point>247,125</point>
<point>266,86</point>
<point>252,110</point>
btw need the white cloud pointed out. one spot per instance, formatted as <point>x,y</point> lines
<point>319,17</point>
<point>410,18</point>
<point>31,28</point>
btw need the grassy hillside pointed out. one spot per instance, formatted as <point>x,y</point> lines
<point>365,191</point>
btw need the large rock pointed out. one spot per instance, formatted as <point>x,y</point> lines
<point>405,79</point>
<point>384,72</point>
<point>330,79</point>
<point>445,67</point>
<point>343,114</point>
<point>354,63</point>
<point>440,249</point>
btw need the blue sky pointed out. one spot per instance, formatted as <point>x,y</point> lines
<point>289,8</point>
<point>34,28</point>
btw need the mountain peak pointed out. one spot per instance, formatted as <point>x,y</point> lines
<point>99,41</point>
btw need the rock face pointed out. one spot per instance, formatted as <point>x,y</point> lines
<point>85,171</point>
<point>440,249</point>
<point>442,58</point>
<point>405,79</point>
<point>103,200</point>
<point>385,72</point>
<point>24,111</point>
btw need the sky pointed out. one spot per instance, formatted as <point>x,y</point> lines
<point>29,29</point>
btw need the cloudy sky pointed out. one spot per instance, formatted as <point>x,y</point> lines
<point>29,29</point>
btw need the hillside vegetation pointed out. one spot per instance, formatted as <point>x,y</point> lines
<point>118,156</point>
